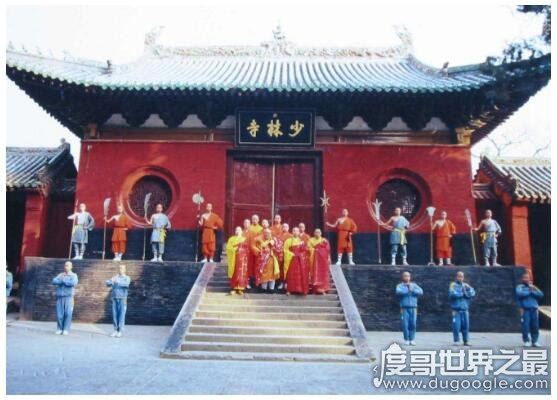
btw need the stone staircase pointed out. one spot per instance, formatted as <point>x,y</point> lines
<point>258,326</point>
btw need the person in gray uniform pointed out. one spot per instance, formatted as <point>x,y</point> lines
<point>65,283</point>
<point>120,285</point>
<point>83,223</point>
<point>160,223</point>
<point>489,231</point>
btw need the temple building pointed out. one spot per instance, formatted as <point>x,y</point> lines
<point>277,129</point>
<point>40,187</point>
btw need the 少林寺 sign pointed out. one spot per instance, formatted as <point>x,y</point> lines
<point>275,127</point>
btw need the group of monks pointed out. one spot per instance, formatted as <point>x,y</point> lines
<point>263,256</point>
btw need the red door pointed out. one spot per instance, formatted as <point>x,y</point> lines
<point>266,188</point>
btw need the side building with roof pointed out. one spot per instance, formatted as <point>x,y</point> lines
<point>518,191</point>
<point>40,190</point>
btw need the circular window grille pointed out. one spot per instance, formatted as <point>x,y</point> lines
<point>399,193</point>
<point>160,193</point>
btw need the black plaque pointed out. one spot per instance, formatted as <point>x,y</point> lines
<point>275,127</point>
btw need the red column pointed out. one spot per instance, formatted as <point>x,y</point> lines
<point>519,235</point>
<point>36,212</point>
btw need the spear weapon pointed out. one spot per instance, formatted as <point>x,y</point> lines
<point>197,199</point>
<point>325,204</point>
<point>106,204</point>
<point>146,211</point>
<point>469,220</point>
<point>377,206</point>
<point>430,211</point>
<point>73,227</point>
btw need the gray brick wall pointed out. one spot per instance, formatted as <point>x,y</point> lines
<point>493,310</point>
<point>157,292</point>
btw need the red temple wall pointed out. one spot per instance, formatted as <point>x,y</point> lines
<point>351,173</point>
<point>105,168</point>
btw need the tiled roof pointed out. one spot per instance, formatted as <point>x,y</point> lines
<point>274,66</point>
<point>36,168</point>
<point>525,179</point>
<point>483,191</point>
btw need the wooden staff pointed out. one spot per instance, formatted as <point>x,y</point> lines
<point>377,206</point>
<point>146,211</point>
<point>106,205</point>
<point>73,227</point>
<point>469,220</point>
<point>430,211</point>
<point>197,199</point>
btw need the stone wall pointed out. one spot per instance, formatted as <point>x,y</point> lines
<point>493,310</point>
<point>157,291</point>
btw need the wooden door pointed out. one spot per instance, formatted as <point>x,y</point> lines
<point>277,186</point>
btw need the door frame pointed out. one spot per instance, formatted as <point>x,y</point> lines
<point>264,154</point>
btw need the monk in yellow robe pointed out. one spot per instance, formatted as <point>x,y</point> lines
<point>319,262</point>
<point>296,264</point>
<point>209,222</point>
<point>237,253</point>
<point>283,236</point>
<point>254,231</point>
<point>267,268</point>
<point>444,230</point>
<point>346,227</point>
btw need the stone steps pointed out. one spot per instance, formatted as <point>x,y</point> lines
<point>217,325</point>
<point>269,323</point>
<point>266,330</point>
<point>269,339</point>
<point>282,308</point>
<point>267,348</point>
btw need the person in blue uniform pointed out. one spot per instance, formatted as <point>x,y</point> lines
<point>65,283</point>
<point>527,296</point>
<point>408,292</point>
<point>460,295</point>
<point>9,282</point>
<point>120,285</point>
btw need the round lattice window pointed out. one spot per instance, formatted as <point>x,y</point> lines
<point>399,193</point>
<point>160,190</point>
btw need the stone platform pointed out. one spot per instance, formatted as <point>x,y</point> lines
<point>159,291</point>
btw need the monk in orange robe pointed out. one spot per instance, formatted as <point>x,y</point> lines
<point>254,231</point>
<point>319,261</point>
<point>303,235</point>
<point>209,222</point>
<point>267,269</point>
<point>296,264</point>
<point>444,231</point>
<point>346,227</point>
<point>276,228</point>
<point>119,237</point>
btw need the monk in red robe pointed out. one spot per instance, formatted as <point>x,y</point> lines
<point>320,260</point>
<point>303,235</point>
<point>267,269</point>
<point>296,264</point>
<point>237,254</point>
<point>119,233</point>
<point>346,227</point>
<point>443,230</point>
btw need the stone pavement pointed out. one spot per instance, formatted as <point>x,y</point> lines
<point>89,362</point>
